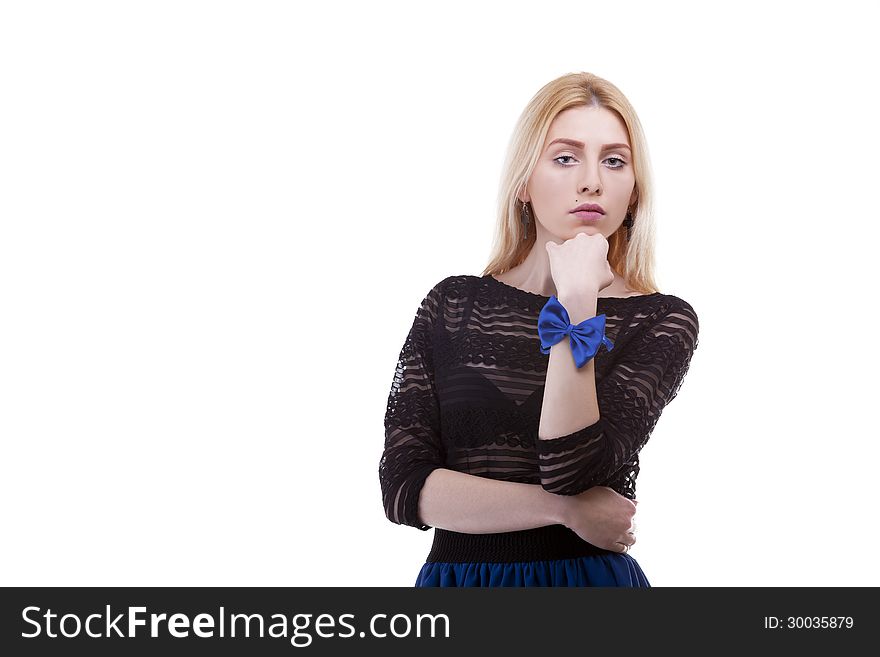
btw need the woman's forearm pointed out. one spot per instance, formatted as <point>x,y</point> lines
<point>471,504</point>
<point>570,402</point>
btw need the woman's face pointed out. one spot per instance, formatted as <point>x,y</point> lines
<point>568,174</point>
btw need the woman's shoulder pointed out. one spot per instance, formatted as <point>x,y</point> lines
<point>676,319</point>
<point>669,313</point>
<point>679,306</point>
<point>453,284</point>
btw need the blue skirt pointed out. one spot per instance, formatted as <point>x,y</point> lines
<point>613,569</point>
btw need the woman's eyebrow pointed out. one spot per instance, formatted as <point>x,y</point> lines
<point>580,144</point>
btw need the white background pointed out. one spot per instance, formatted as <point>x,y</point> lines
<point>219,219</point>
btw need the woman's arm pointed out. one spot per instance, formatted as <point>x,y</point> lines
<point>472,504</point>
<point>579,447</point>
<point>570,401</point>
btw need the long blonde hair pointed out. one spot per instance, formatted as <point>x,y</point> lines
<point>633,259</point>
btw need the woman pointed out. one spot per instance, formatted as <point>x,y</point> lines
<point>493,430</point>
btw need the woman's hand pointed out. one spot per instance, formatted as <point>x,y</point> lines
<point>580,264</point>
<point>601,516</point>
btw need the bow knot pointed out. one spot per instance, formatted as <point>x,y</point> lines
<point>554,324</point>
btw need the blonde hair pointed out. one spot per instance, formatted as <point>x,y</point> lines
<point>633,259</point>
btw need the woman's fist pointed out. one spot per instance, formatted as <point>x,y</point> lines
<point>601,516</point>
<point>580,264</point>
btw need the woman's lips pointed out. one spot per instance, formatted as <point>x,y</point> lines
<point>588,216</point>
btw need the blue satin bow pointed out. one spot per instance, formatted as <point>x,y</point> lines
<point>554,324</point>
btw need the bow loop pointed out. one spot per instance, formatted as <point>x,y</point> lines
<point>554,324</point>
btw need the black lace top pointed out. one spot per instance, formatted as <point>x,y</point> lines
<point>468,390</point>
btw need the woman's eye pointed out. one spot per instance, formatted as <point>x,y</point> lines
<point>617,166</point>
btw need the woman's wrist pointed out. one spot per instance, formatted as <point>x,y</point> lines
<point>556,507</point>
<point>579,305</point>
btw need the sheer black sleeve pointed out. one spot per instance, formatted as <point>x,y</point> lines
<point>413,447</point>
<point>631,396</point>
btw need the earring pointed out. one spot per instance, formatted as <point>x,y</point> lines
<point>524,217</point>
<point>628,222</point>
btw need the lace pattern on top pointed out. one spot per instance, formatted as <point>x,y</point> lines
<point>469,383</point>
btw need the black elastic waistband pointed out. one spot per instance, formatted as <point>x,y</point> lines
<point>542,543</point>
